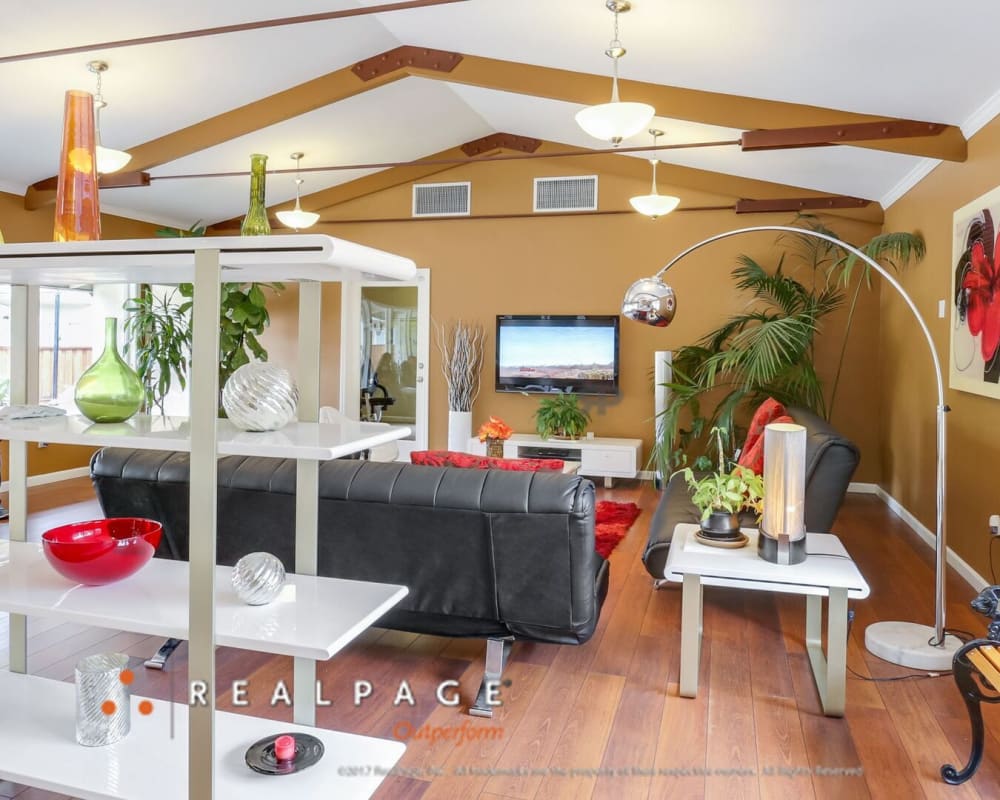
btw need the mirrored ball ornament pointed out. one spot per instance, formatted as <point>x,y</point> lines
<point>260,397</point>
<point>258,578</point>
<point>651,301</point>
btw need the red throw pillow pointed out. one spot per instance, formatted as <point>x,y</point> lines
<point>449,458</point>
<point>766,413</point>
<point>753,456</point>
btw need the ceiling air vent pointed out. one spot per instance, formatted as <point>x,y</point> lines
<point>566,194</point>
<point>441,199</point>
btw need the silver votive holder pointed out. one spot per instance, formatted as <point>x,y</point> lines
<point>103,700</point>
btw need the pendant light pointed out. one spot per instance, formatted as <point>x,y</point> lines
<point>108,159</point>
<point>614,121</point>
<point>297,218</point>
<point>654,204</point>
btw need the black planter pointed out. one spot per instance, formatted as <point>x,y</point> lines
<point>721,525</point>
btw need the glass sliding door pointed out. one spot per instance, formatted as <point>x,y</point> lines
<point>391,330</point>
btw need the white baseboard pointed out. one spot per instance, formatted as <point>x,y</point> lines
<point>51,477</point>
<point>955,561</point>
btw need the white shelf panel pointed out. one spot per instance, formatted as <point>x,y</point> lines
<point>311,618</point>
<point>38,747</point>
<point>309,440</point>
<point>288,257</point>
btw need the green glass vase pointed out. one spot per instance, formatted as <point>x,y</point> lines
<point>255,223</point>
<point>109,391</point>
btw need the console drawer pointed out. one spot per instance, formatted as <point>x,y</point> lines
<point>607,462</point>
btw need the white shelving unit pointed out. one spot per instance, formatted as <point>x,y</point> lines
<point>173,598</point>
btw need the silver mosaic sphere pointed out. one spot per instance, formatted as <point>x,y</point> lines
<point>651,301</point>
<point>260,397</point>
<point>258,578</point>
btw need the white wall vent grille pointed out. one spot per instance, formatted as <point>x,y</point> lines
<point>578,193</point>
<point>442,199</point>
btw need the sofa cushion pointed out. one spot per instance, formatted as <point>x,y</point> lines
<point>449,458</point>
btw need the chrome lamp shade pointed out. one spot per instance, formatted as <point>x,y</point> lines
<point>782,537</point>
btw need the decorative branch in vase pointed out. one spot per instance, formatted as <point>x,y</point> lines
<point>461,345</point>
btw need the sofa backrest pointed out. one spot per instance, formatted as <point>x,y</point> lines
<point>830,462</point>
<point>483,552</point>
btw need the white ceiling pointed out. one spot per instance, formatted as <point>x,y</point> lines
<point>907,58</point>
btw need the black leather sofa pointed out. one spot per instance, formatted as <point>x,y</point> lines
<point>830,462</point>
<point>485,553</point>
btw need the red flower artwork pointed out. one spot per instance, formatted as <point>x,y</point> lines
<point>982,289</point>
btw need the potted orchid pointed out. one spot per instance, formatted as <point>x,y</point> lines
<point>495,432</point>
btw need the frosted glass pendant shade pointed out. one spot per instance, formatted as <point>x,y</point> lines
<point>654,205</point>
<point>783,527</point>
<point>110,160</point>
<point>297,218</point>
<point>615,121</point>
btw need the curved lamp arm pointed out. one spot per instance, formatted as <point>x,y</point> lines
<point>651,301</point>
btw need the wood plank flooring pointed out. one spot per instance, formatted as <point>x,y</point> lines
<point>604,720</point>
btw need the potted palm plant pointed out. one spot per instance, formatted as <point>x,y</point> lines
<point>722,494</point>
<point>559,416</point>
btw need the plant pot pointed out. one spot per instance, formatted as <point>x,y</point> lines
<point>721,525</point>
<point>494,447</point>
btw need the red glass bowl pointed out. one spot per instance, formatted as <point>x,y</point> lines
<point>101,551</point>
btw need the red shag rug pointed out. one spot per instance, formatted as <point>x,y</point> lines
<point>613,522</point>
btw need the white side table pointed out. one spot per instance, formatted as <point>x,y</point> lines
<point>828,571</point>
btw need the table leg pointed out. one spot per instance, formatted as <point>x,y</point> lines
<point>691,624</point>
<point>829,670</point>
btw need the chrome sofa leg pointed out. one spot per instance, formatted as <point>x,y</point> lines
<point>159,661</point>
<point>659,583</point>
<point>497,653</point>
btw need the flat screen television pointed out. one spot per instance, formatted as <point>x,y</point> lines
<point>549,353</point>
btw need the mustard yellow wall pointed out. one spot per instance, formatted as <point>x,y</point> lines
<point>19,225</point>
<point>907,377</point>
<point>567,265</point>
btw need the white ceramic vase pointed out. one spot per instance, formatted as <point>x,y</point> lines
<point>459,430</point>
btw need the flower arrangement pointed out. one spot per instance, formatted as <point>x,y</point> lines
<point>496,428</point>
<point>493,433</point>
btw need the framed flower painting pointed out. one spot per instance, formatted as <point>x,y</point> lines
<point>975,297</point>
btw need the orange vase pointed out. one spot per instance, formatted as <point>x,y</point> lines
<point>78,214</point>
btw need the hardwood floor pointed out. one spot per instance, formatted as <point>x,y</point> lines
<point>604,720</point>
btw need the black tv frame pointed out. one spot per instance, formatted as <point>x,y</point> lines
<point>558,385</point>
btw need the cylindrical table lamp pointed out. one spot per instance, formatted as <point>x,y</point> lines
<point>782,537</point>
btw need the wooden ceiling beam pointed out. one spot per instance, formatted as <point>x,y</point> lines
<point>712,108</point>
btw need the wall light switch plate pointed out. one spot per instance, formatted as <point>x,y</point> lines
<point>942,307</point>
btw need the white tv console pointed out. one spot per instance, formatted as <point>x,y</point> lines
<point>599,457</point>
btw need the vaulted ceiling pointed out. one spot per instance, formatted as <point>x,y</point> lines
<point>711,68</point>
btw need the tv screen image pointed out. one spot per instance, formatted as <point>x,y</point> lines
<point>545,353</point>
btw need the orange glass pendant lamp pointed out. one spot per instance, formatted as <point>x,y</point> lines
<point>78,213</point>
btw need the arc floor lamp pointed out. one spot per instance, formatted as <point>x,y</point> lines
<point>651,301</point>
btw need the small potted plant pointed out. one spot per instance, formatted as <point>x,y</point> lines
<point>722,494</point>
<point>559,416</point>
<point>494,433</point>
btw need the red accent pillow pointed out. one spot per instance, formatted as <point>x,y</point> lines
<point>449,458</point>
<point>753,456</point>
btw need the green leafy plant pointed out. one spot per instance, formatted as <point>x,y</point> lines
<point>158,335</point>
<point>158,330</point>
<point>729,491</point>
<point>560,415</point>
<point>768,350</point>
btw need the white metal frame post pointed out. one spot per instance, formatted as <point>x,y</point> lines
<point>204,509</point>
<point>23,389</point>
<point>307,482</point>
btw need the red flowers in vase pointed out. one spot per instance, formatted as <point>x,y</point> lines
<point>493,433</point>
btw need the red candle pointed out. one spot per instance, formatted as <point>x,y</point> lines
<point>284,748</point>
